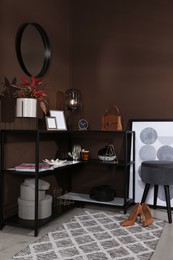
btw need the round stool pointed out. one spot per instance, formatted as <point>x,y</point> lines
<point>157,173</point>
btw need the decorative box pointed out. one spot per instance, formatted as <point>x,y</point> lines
<point>27,189</point>
<point>26,208</point>
<point>42,185</point>
<point>28,193</point>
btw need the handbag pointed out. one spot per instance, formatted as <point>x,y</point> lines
<point>111,120</point>
<point>102,193</point>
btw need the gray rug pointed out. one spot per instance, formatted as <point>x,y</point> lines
<point>95,235</point>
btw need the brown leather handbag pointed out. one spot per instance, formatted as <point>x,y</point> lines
<point>111,120</point>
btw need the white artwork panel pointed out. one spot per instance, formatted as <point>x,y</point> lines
<point>153,141</point>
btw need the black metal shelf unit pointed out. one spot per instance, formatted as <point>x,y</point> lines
<point>126,163</point>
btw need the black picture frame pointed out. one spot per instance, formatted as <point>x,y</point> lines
<point>60,119</point>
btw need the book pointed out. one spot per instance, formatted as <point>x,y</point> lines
<point>30,167</point>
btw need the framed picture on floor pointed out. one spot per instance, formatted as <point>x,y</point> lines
<point>153,141</point>
<point>60,119</point>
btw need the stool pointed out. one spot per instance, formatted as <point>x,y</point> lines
<point>158,173</point>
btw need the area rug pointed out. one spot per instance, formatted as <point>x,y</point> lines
<point>95,235</point>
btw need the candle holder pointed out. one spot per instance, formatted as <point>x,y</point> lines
<point>72,101</point>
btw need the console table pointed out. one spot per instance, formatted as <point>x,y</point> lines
<point>65,140</point>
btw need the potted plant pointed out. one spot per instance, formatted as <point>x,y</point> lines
<point>29,91</point>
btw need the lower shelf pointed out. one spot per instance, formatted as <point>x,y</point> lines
<point>30,224</point>
<point>59,210</point>
<point>86,198</point>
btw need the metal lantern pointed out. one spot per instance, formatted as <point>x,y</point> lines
<point>72,99</point>
<point>73,103</point>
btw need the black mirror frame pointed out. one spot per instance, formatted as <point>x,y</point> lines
<point>46,46</point>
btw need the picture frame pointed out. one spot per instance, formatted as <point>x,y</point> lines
<point>153,141</point>
<point>60,119</point>
<point>51,123</point>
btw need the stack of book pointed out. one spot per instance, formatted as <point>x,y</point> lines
<point>31,167</point>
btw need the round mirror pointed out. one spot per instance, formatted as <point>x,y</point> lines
<point>33,49</point>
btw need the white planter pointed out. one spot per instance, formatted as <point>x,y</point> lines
<point>26,107</point>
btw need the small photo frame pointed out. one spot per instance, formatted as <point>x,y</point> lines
<point>51,123</point>
<point>60,119</point>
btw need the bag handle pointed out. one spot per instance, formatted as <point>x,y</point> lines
<point>114,107</point>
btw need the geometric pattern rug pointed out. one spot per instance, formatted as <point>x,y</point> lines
<point>95,235</point>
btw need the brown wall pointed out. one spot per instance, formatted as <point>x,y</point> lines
<point>53,16</point>
<point>123,54</point>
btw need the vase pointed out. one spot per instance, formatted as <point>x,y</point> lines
<point>26,107</point>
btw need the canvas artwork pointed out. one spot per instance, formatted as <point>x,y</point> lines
<point>154,141</point>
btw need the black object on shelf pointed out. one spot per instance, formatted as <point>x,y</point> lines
<point>102,193</point>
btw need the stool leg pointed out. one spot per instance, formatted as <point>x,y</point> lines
<point>155,195</point>
<point>168,204</point>
<point>147,186</point>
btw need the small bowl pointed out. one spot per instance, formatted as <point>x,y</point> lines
<point>107,158</point>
